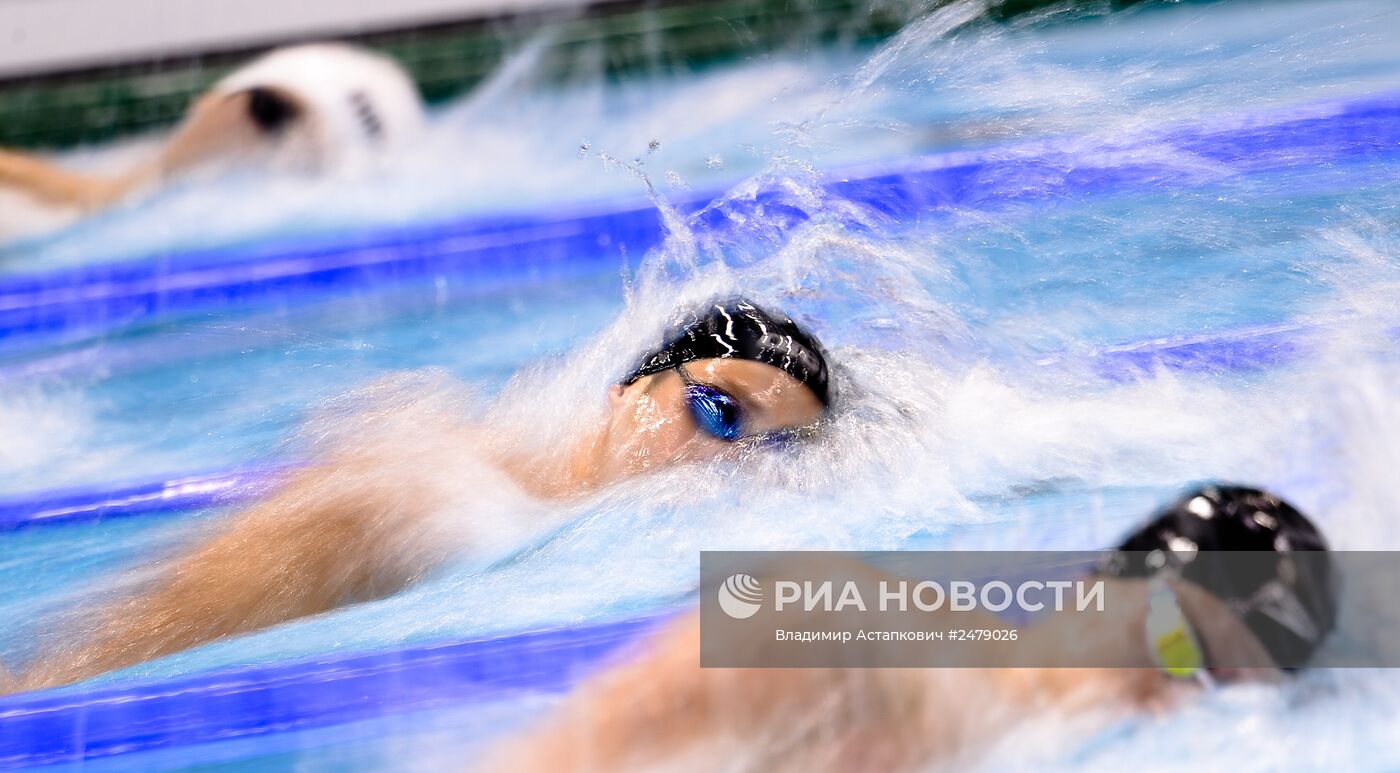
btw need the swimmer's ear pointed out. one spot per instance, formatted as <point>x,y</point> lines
<point>615,393</point>
<point>271,110</point>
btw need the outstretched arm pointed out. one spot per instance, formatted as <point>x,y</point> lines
<point>51,184</point>
<point>215,126</point>
<point>661,708</point>
<point>332,535</point>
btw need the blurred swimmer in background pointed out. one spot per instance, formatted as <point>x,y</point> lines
<point>1191,625</point>
<point>394,498</point>
<point>315,109</point>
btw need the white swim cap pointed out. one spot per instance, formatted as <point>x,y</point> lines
<point>354,103</point>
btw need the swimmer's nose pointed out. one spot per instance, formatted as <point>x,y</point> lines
<point>270,111</point>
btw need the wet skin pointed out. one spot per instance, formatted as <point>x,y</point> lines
<point>659,709</point>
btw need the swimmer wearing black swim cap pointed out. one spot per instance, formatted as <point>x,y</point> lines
<point>739,329</point>
<point>1226,583</point>
<point>1279,583</point>
<point>729,374</point>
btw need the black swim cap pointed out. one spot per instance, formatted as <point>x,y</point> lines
<point>1287,599</point>
<point>739,329</point>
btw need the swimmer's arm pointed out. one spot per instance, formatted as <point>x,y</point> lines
<point>647,707</point>
<point>51,184</point>
<point>215,126</point>
<point>660,706</point>
<point>329,537</point>
<point>661,701</point>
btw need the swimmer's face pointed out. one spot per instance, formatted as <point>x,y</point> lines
<point>650,424</point>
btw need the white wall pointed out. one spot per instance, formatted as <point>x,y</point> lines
<point>44,35</point>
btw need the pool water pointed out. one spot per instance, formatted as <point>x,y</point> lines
<point>953,434</point>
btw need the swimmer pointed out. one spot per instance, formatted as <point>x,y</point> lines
<point>661,710</point>
<point>361,526</point>
<point>311,108</point>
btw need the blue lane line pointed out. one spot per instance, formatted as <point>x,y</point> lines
<point>167,494</point>
<point>45,728</point>
<point>95,299</point>
<point>1248,348</point>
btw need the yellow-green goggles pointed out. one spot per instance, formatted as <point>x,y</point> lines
<point>1174,646</point>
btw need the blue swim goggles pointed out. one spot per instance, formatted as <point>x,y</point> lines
<point>716,411</point>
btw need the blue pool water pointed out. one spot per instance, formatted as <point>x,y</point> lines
<point>954,434</point>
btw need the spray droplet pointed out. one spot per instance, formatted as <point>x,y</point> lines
<point>714,162</point>
<point>653,146</point>
<point>583,148</point>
